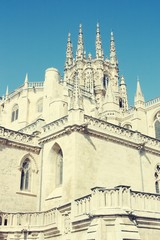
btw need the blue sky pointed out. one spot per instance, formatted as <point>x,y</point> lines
<point>33,37</point>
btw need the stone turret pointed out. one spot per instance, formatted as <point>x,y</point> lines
<point>110,107</point>
<point>123,95</point>
<point>54,104</point>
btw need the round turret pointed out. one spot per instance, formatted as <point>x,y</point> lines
<point>52,74</point>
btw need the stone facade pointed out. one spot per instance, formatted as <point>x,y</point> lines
<point>76,161</point>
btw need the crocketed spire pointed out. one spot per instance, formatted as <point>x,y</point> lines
<point>69,53</point>
<point>80,45</point>
<point>113,57</point>
<point>99,50</point>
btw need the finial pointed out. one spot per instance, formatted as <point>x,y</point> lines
<point>80,28</point>
<point>122,81</point>
<point>26,78</point>
<point>97,27</point>
<point>7,92</point>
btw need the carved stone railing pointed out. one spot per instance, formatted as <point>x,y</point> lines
<point>121,197</point>
<point>117,131</point>
<point>35,84</point>
<point>30,219</point>
<point>15,136</point>
<point>36,126</point>
<point>153,101</point>
<point>55,124</point>
<point>100,201</point>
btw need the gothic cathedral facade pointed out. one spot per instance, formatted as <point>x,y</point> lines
<point>76,162</point>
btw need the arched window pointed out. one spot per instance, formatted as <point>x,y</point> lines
<point>157,179</point>
<point>157,125</point>
<point>59,168</point>
<point>39,105</point>
<point>128,126</point>
<point>15,111</point>
<point>0,220</point>
<point>25,175</point>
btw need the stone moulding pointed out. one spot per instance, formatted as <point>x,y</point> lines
<point>19,140</point>
<point>104,130</point>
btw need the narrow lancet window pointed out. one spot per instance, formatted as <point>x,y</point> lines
<point>25,175</point>
<point>59,168</point>
<point>15,112</point>
<point>157,179</point>
<point>157,125</point>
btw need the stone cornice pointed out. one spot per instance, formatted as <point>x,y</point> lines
<point>109,132</point>
<point>19,140</point>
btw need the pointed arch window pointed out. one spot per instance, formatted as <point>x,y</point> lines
<point>25,175</point>
<point>39,105</point>
<point>15,112</point>
<point>157,125</point>
<point>59,168</point>
<point>157,179</point>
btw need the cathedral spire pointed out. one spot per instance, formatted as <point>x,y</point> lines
<point>69,53</point>
<point>113,57</point>
<point>139,98</point>
<point>80,45</point>
<point>99,50</point>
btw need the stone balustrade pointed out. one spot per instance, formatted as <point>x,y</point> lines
<point>152,102</point>
<point>29,219</point>
<point>119,198</point>
<point>35,84</point>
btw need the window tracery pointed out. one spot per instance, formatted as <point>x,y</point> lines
<point>15,112</point>
<point>25,175</point>
<point>157,179</point>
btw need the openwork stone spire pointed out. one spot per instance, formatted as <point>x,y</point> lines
<point>113,57</point>
<point>80,45</point>
<point>69,53</point>
<point>99,50</point>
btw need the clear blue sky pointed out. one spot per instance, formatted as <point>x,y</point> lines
<point>33,37</point>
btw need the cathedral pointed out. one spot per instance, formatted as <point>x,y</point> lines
<point>76,162</point>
